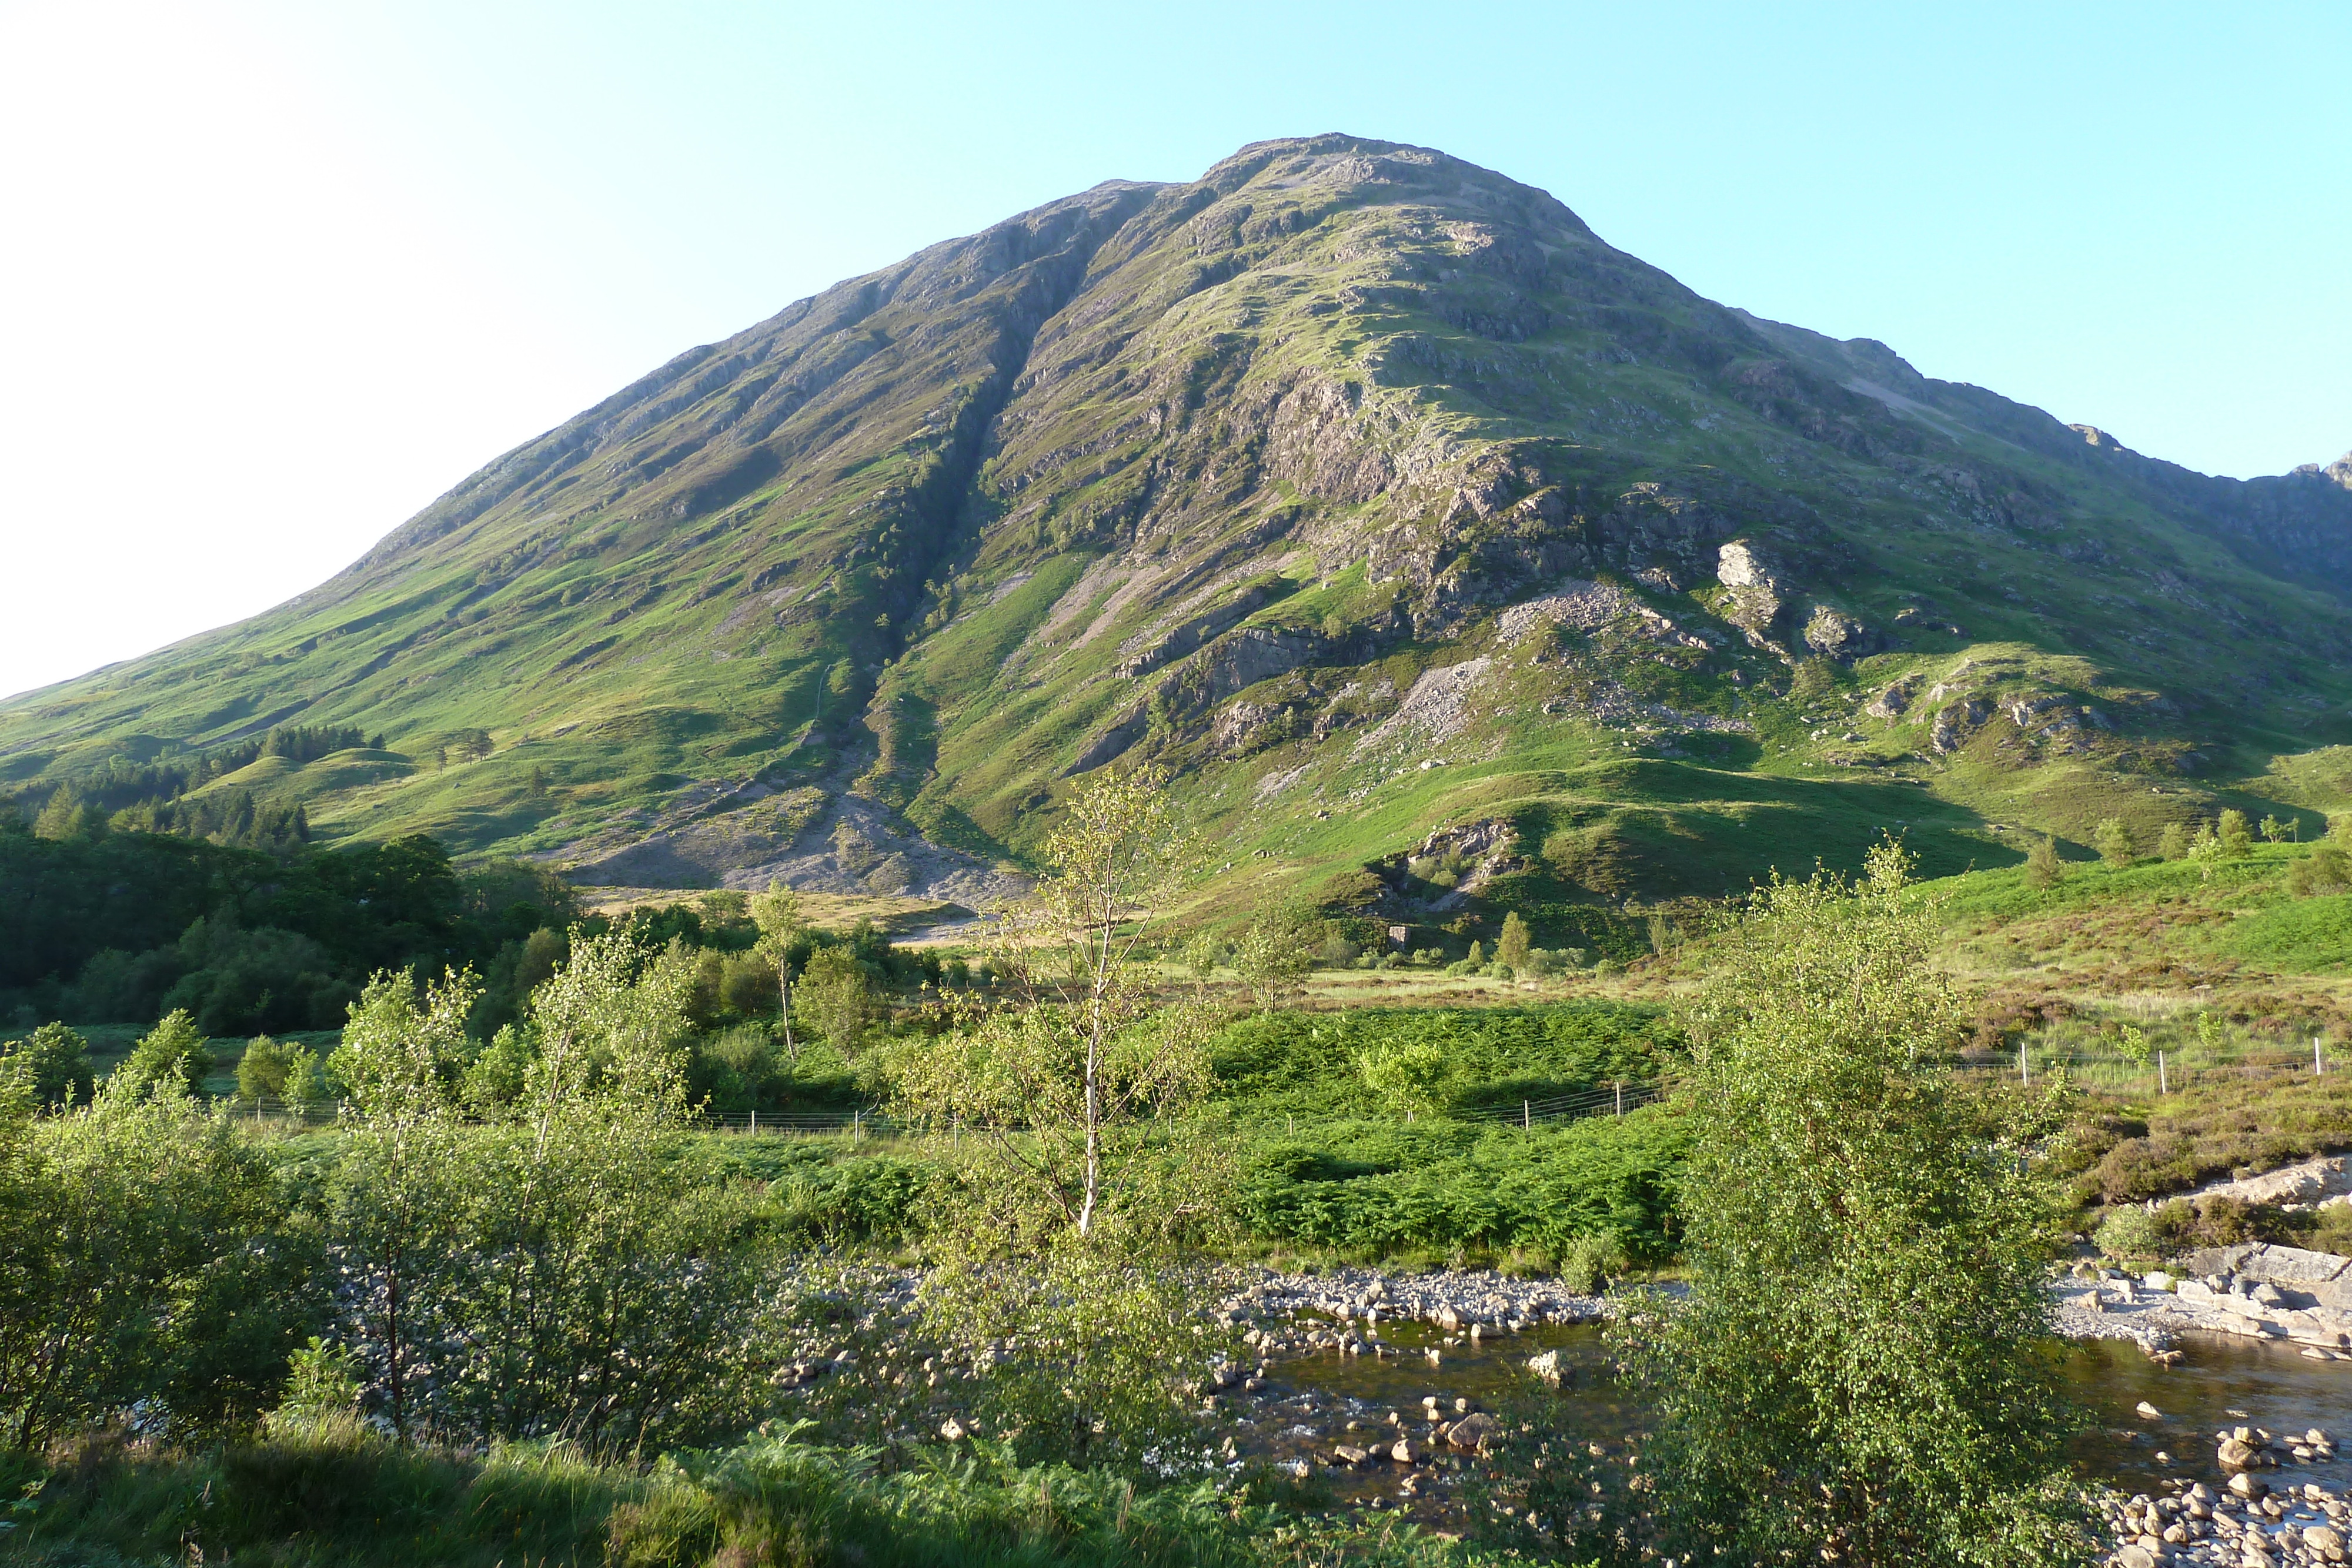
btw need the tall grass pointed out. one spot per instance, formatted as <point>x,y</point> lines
<point>343,1495</point>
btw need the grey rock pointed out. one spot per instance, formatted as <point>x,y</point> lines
<point>1838,635</point>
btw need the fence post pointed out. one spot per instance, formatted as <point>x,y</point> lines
<point>1621,1097</point>
<point>857,1125</point>
<point>2161,1086</point>
<point>1526,1119</point>
<point>2024,1073</point>
<point>755,1121</point>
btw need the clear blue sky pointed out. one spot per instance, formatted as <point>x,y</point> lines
<point>278,274</point>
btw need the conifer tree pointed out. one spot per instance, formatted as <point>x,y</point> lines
<point>1512,948</point>
<point>2043,866</point>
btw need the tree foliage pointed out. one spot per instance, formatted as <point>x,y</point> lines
<point>54,1061</point>
<point>1079,1175</point>
<point>531,1265</point>
<point>147,1260</point>
<point>1277,953</point>
<point>1856,1375</point>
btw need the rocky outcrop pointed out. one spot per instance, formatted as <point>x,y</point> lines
<point>1835,634</point>
<point>2323,1178</point>
<point>1895,700</point>
<point>1759,588</point>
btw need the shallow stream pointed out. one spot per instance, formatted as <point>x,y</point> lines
<point>1306,1407</point>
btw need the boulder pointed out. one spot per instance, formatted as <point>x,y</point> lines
<point>1474,1431</point>
<point>1349,1454</point>
<point>1546,1367</point>
<point>1892,702</point>
<point>1837,635</point>
<point>951,1430</point>
<point>1404,1453</point>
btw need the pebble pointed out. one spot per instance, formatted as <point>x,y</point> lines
<point>2245,1525</point>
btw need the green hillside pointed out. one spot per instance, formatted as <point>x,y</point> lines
<point>1450,557</point>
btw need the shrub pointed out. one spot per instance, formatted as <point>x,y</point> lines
<point>2235,839</point>
<point>2043,866</point>
<point>261,1071</point>
<point>1591,1262</point>
<point>2114,841</point>
<point>173,1050</point>
<point>2131,1232</point>
<point>2326,870</point>
<point>56,1063</point>
<point>2172,844</point>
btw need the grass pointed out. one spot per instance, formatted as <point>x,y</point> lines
<point>339,1495</point>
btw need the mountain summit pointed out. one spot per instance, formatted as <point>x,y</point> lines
<point>1450,558</point>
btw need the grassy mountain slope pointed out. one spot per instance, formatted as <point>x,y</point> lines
<point>1450,557</point>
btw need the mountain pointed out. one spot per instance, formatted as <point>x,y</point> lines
<point>1450,557</point>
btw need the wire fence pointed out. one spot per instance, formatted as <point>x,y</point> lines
<point>2161,1070</point>
<point>855,1120</point>
<point>1613,1098</point>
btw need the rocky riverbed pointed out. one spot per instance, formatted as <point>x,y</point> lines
<point>1389,1391</point>
<point>2256,1291</point>
<point>2250,1522</point>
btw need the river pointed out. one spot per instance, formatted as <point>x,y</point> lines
<point>1306,1409</point>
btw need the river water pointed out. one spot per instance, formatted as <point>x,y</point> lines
<point>1312,1404</point>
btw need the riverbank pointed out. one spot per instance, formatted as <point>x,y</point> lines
<point>2253,1291</point>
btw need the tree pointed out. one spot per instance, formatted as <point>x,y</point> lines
<point>1662,933</point>
<point>65,817</point>
<point>2275,831</point>
<point>2114,841</point>
<point>2237,840</point>
<point>1079,1173</point>
<point>1856,1375</point>
<point>261,1071</point>
<point>527,1263</point>
<point>835,998</point>
<point>1274,955</point>
<point>172,1051</point>
<point>56,1063</point>
<point>305,1080</point>
<point>583,1295</point>
<point>147,1262</point>
<point>2043,866</point>
<point>2172,844</point>
<point>1202,952</point>
<point>777,914</point>
<point>1410,1074</point>
<point>395,1190</point>
<point>1512,947</point>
